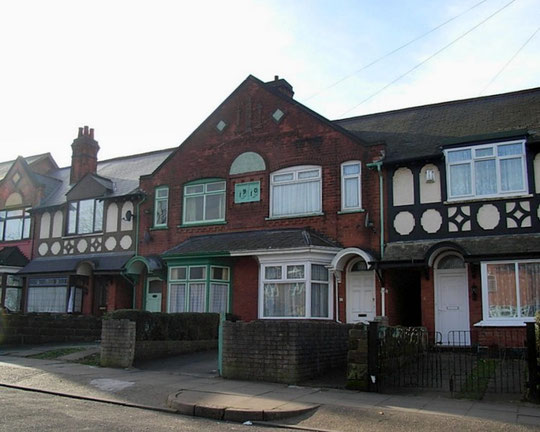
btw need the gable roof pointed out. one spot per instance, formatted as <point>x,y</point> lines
<point>419,132</point>
<point>261,240</point>
<point>6,166</point>
<point>119,174</point>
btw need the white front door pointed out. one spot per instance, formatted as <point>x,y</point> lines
<point>360,296</point>
<point>452,306</point>
<point>153,295</point>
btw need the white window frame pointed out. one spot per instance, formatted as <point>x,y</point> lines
<point>307,280</point>
<point>473,149</point>
<point>295,172</point>
<point>501,321</point>
<point>205,194</point>
<point>159,199</point>
<point>345,177</point>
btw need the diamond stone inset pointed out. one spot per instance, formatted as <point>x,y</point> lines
<point>221,126</point>
<point>278,115</point>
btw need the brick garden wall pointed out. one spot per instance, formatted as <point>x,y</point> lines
<point>282,351</point>
<point>41,328</point>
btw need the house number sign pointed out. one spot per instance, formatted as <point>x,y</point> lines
<point>247,192</point>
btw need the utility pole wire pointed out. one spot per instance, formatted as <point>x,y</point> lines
<point>429,58</point>
<point>509,61</point>
<point>377,60</point>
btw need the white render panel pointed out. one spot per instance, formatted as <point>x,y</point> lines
<point>112,218</point>
<point>430,192</point>
<point>404,223</point>
<point>110,243</point>
<point>45,226</point>
<point>126,225</point>
<point>537,173</point>
<point>488,216</point>
<point>403,187</point>
<point>58,221</point>
<point>43,249</point>
<point>82,245</point>
<point>15,199</point>
<point>126,242</point>
<point>55,248</point>
<point>431,221</point>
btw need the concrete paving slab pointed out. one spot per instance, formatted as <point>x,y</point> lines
<point>529,409</point>
<point>498,415</point>
<point>528,420</point>
<point>410,402</point>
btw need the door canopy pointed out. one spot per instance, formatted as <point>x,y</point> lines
<point>343,256</point>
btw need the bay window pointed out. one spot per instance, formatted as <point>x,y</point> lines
<point>299,290</point>
<point>14,224</point>
<point>204,202</point>
<point>485,171</point>
<point>296,191</point>
<point>85,217</point>
<point>53,294</point>
<point>511,290</point>
<point>199,288</point>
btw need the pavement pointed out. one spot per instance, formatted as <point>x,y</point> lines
<point>190,385</point>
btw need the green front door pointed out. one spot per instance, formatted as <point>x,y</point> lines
<point>153,295</point>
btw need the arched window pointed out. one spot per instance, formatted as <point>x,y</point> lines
<point>449,262</point>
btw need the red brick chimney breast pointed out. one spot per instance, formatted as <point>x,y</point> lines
<point>84,156</point>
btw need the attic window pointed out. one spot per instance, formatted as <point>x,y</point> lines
<point>221,126</point>
<point>278,115</point>
<point>16,177</point>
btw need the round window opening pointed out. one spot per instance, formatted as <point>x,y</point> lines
<point>449,262</point>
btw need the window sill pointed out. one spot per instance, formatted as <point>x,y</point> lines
<point>159,228</point>
<point>486,199</point>
<point>359,210</point>
<point>512,322</point>
<point>76,236</point>
<point>294,216</point>
<point>196,224</point>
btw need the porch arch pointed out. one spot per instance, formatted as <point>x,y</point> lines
<point>344,255</point>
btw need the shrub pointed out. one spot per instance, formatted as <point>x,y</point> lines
<point>170,326</point>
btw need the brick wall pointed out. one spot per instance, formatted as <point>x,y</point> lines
<point>282,351</point>
<point>41,328</point>
<point>357,359</point>
<point>299,139</point>
<point>117,343</point>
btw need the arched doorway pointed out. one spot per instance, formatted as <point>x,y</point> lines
<point>360,292</point>
<point>452,299</point>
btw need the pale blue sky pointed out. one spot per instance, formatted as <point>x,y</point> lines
<point>145,74</point>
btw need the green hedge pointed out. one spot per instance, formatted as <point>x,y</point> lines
<point>170,326</point>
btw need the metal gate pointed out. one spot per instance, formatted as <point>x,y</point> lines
<point>470,365</point>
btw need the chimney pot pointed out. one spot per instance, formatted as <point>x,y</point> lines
<point>91,132</point>
<point>276,77</point>
<point>80,131</point>
<point>86,130</point>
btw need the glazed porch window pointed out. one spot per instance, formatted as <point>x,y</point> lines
<point>199,288</point>
<point>295,291</point>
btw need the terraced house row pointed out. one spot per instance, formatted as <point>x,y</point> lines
<point>424,216</point>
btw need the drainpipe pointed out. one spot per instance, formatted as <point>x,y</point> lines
<point>137,223</point>
<point>378,166</point>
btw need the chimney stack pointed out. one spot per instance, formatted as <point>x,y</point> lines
<point>282,86</point>
<point>84,154</point>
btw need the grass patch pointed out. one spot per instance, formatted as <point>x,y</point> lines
<point>91,360</point>
<point>475,385</point>
<point>54,354</point>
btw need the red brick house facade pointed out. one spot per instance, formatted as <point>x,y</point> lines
<point>250,210</point>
